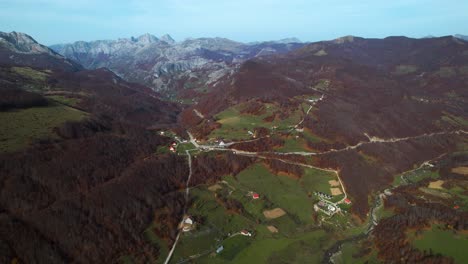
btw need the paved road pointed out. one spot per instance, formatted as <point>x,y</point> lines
<point>187,192</point>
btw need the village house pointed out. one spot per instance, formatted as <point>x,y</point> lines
<point>323,195</point>
<point>327,208</point>
<point>255,196</point>
<point>219,249</point>
<point>222,144</point>
<point>246,233</point>
<point>187,224</point>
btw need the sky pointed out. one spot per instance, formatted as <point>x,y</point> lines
<point>63,21</point>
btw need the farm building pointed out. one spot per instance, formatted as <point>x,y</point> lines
<point>219,249</point>
<point>187,224</point>
<point>255,196</point>
<point>246,233</point>
<point>347,201</point>
<point>327,208</point>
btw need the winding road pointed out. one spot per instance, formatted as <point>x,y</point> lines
<point>371,140</point>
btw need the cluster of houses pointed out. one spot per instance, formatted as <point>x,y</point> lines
<point>327,208</point>
<point>172,147</point>
<point>323,195</point>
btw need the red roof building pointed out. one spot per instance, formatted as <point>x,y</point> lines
<point>255,196</point>
<point>456,207</point>
<point>347,201</point>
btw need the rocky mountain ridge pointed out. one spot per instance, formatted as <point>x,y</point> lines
<point>460,36</point>
<point>167,65</point>
<point>23,43</point>
<point>22,50</point>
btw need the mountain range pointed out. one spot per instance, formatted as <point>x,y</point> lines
<point>169,66</point>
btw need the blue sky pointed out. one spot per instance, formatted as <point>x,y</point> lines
<point>61,21</point>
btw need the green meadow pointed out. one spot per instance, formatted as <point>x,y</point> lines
<point>20,127</point>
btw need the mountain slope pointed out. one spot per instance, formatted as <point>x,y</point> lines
<point>464,37</point>
<point>22,50</point>
<point>77,161</point>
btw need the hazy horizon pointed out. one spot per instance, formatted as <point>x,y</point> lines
<point>60,21</point>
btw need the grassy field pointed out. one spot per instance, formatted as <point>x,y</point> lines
<point>446,72</point>
<point>291,143</point>
<point>216,224</point>
<point>280,191</point>
<point>21,127</point>
<point>416,176</point>
<point>292,195</point>
<point>303,248</point>
<point>64,99</point>
<point>30,73</point>
<point>445,242</point>
<point>460,194</point>
<point>235,125</point>
<point>182,147</point>
<point>455,120</point>
<point>156,241</point>
<point>347,252</point>
<point>405,69</point>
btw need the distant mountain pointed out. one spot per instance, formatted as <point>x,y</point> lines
<point>21,49</point>
<point>429,36</point>
<point>167,65</point>
<point>23,43</point>
<point>459,36</point>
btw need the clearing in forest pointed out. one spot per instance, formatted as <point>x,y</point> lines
<point>274,213</point>
<point>460,170</point>
<point>436,184</point>
<point>334,183</point>
<point>335,191</point>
